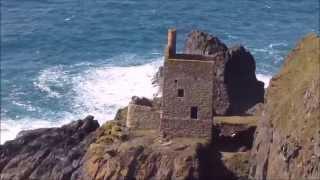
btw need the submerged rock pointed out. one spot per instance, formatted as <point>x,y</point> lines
<point>288,133</point>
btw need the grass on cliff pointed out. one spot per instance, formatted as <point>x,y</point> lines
<point>108,133</point>
<point>293,95</point>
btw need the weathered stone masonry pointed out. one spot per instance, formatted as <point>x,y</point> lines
<point>143,117</point>
<point>187,102</point>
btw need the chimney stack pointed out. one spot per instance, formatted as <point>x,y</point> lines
<point>171,46</point>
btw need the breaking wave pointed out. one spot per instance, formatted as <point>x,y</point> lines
<point>82,89</point>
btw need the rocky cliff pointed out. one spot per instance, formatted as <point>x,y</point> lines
<point>287,143</point>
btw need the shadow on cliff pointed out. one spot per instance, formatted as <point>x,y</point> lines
<point>212,166</point>
<point>243,88</point>
<point>241,141</point>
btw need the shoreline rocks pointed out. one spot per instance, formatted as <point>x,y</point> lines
<point>47,153</point>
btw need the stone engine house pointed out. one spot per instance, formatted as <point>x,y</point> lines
<point>187,101</point>
<point>186,106</point>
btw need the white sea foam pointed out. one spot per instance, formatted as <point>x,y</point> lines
<point>51,76</point>
<point>102,91</point>
<point>264,78</point>
<point>98,91</point>
<point>28,107</point>
<point>10,128</point>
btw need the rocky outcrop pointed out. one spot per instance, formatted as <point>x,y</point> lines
<point>243,90</point>
<point>49,153</point>
<point>121,115</point>
<point>237,89</point>
<point>236,86</point>
<point>202,43</point>
<point>81,151</point>
<point>287,143</point>
<point>140,154</point>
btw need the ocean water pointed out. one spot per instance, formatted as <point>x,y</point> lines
<point>64,59</point>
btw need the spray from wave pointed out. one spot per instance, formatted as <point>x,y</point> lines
<point>83,89</point>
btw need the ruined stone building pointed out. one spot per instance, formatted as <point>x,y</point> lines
<point>187,102</point>
<point>186,108</point>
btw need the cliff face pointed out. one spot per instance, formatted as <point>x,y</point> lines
<point>287,143</point>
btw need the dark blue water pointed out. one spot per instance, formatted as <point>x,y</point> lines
<point>63,59</point>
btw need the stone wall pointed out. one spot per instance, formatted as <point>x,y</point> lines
<point>195,77</point>
<point>142,117</point>
<point>186,128</point>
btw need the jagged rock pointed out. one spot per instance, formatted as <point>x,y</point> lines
<point>202,43</point>
<point>121,115</point>
<point>288,135</point>
<point>243,89</point>
<point>48,153</point>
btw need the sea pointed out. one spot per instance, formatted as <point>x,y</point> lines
<point>62,60</point>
